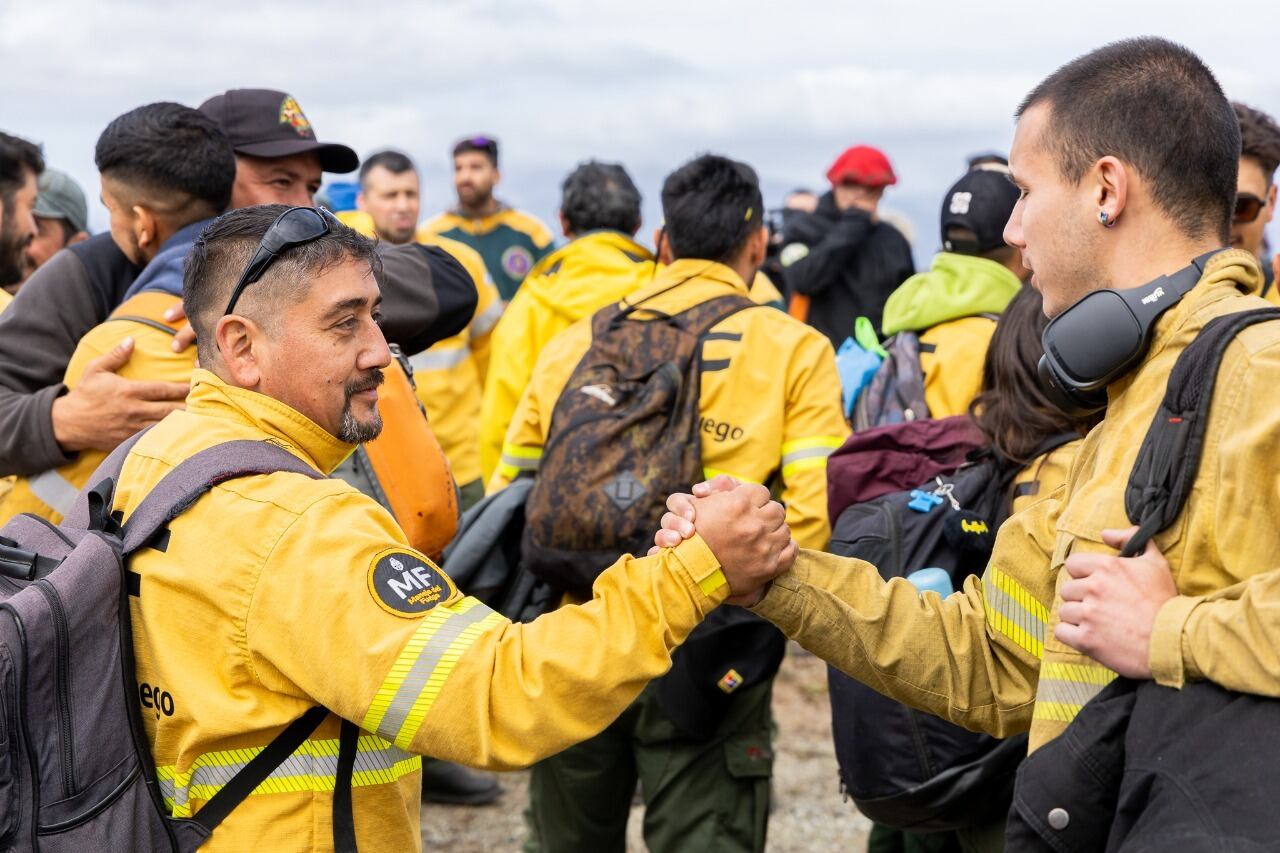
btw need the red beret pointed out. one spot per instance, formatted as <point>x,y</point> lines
<point>864,165</point>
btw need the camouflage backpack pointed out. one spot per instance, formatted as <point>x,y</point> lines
<point>624,435</point>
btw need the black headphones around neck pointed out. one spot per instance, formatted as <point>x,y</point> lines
<point>1103,335</point>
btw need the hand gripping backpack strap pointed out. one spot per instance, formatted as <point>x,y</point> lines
<point>1169,457</point>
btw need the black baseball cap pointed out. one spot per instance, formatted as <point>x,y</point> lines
<point>267,123</point>
<point>982,201</point>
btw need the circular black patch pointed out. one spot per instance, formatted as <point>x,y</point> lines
<point>407,584</point>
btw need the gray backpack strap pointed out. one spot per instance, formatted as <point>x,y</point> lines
<point>83,514</point>
<point>182,486</point>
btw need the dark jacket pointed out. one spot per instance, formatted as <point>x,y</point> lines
<point>1146,768</point>
<point>427,297</point>
<point>852,266</point>
<point>66,297</point>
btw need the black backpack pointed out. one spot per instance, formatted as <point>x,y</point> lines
<point>76,772</point>
<point>623,436</point>
<point>905,768</point>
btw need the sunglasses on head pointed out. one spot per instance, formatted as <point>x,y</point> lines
<point>297,226</point>
<point>1248,206</point>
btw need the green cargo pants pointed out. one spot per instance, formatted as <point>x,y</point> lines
<point>706,795</point>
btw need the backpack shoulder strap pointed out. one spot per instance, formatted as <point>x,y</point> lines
<point>1169,457</point>
<point>93,504</point>
<point>182,486</point>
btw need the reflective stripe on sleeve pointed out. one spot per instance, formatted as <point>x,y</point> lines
<point>53,490</point>
<point>516,459</point>
<point>1014,612</point>
<point>423,666</point>
<point>804,454</point>
<point>312,768</point>
<point>484,322</point>
<point>1065,688</point>
<point>439,359</point>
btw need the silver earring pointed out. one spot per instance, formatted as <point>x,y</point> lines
<point>1102,217</point>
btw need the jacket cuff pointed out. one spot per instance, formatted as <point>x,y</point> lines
<point>1165,657</point>
<point>783,604</point>
<point>702,567</point>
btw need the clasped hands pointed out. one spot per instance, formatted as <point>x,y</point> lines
<point>742,525</point>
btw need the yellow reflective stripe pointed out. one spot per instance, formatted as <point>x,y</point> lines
<point>1014,612</point>
<point>518,458</point>
<point>310,769</point>
<point>829,442</point>
<point>712,582</point>
<point>409,655</point>
<point>1084,673</point>
<point>805,454</point>
<point>1059,712</point>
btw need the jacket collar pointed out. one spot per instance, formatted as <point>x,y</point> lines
<point>1229,272</point>
<point>691,269</point>
<point>212,397</point>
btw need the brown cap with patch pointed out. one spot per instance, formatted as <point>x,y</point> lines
<point>267,123</point>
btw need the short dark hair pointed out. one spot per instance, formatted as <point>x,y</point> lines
<point>600,195</point>
<point>712,205</point>
<point>486,145</point>
<point>18,158</point>
<point>395,162</point>
<point>166,149</point>
<point>1156,106</point>
<point>225,247</point>
<point>1259,138</point>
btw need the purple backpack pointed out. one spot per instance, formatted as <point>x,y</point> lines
<point>76,772</point>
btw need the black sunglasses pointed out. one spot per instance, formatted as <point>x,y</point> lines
<point>297,226</point>
<point>1248,206</point>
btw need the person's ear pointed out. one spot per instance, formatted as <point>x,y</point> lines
<point>78,237</point>
<point>759,247</point>
<point>144,228</point>
<point>661,245</point>
<point>360,205</point>
<point>1271,204</point>
<point>239,342</point>
<point>1110,190</point>
<point>564,225</point>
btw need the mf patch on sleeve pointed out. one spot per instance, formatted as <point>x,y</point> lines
<point>407,584</point>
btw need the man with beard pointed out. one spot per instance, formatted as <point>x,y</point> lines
<point>510,241</point>
<point>62,218</point>
<point>314,597</point>
<point>20,168</point>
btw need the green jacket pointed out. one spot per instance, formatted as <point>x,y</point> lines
<point>955,286</point>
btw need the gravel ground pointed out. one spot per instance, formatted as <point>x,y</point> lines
<point>809,815</point>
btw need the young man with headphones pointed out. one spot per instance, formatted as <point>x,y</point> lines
<point>1126,161</point>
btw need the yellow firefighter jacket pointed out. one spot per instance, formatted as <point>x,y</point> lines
<point>450,375</point>
<point>986,657</point>
<point>51,493</point>
<point>773,409</point>
<point>575,281</point>
<point>276,593</point>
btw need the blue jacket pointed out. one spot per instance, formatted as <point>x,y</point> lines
<point>164,272</point>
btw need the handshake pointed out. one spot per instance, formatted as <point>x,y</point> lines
<point>745,529</point>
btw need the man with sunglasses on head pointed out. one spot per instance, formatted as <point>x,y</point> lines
<point>315,596</point>
<point>1256,190</point>
<point>510,241</point>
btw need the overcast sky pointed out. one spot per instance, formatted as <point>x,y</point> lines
<point>783,85</point>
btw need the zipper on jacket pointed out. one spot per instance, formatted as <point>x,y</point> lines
<point>63,689</point>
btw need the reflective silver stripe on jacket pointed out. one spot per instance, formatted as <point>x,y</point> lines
<point>445,359</point>
<point>54,490</point>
